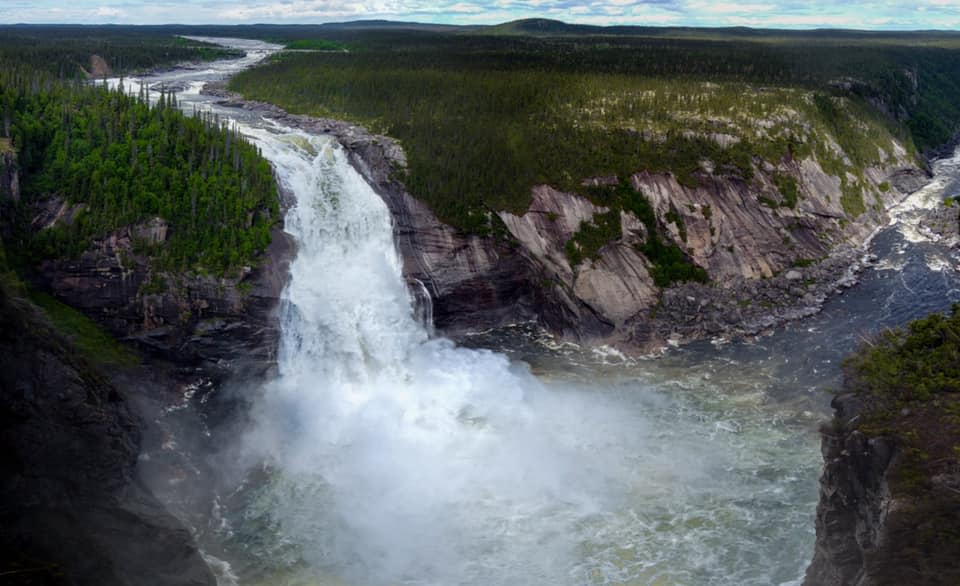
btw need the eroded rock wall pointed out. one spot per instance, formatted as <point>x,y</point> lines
<point>71,508</point>
<point>882,520</point>
<point>224,323</point>
<point>768,262</point>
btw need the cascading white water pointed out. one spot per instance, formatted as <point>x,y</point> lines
<point>420,447</point>
<point>398,458</point>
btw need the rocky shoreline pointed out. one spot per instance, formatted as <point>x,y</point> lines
<point>478,283</point>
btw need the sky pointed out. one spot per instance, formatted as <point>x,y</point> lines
<point>862,14</point>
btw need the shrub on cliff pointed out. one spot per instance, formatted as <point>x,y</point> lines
<point>907,386</point>
<point>909,379</point>
<point>669,264</point>
<point>918,363</point>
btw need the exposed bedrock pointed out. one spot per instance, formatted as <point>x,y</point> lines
<point>72,510</point>
<point>767,262</point>
<point>220,323</point>
<point>875,525</point>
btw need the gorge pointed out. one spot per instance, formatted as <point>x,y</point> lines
<point>380,452</point>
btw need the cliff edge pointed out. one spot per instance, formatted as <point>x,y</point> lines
<point>72,511</point>
<point>772,247</point>
<point>889,511</point>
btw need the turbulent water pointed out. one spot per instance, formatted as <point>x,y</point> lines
<point>383,455</point>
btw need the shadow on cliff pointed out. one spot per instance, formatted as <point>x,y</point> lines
<point>72,510</point>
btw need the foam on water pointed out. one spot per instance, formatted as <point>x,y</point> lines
<point>398,458</point>
<point>908,216</point>
<point>394,458</point>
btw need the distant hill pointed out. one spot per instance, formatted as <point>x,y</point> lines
<point>542,26</point>
<point>550,27</point>
<point>530,27</point>
<point>391,25</point>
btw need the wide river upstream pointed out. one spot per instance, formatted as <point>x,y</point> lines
<point>384,455</point>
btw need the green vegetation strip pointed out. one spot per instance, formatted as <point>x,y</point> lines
<point>911,380</point>
<point>315,45</point>
<point>96,344</point>
<point>669,263</point>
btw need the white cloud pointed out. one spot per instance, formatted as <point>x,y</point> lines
<point>109,12</point>
<point>797,20</point>
<point>887,14</point>
<point>729,7</point>
<point>464,7</point>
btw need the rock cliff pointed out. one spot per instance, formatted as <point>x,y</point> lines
<point>769,260</point>
<point>875,526</point>
<point>71,508</point>
<point>9,173</point>
<point>221,323</point>
<point>889,508</point>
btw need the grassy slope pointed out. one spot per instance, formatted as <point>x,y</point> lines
<point>95,344</point>
<point>90,339</point>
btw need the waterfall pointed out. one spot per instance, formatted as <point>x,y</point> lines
<point>418,455</point>
<point>423,304</point>
<point>394,457</point>
<point>397,457</point>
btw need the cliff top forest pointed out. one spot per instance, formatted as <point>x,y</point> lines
<point>485,113</point>
<point>116,161</point>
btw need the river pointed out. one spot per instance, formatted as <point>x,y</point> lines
<point>383,455</point>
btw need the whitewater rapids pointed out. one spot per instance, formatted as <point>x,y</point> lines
<point>397,458</point>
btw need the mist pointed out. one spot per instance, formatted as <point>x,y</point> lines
<point>395,457</point>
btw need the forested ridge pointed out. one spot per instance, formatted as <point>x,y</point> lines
<point>64,51</point>
<point>118,161</point>
<point>484,117</point>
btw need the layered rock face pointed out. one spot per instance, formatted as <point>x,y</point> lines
<point>71,508</point>
<point>875,525</point>
<point>474,282</point>
<point>767,262</point>
<point>219,323</point>
<point>854,499</point>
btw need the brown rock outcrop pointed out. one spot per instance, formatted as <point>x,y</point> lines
<point>217,322</point>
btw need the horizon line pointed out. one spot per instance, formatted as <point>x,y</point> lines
<point>497,24</point>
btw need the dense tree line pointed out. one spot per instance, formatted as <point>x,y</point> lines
<point>64,51</point>
<point>126,161</point>
<point>483,119</point>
